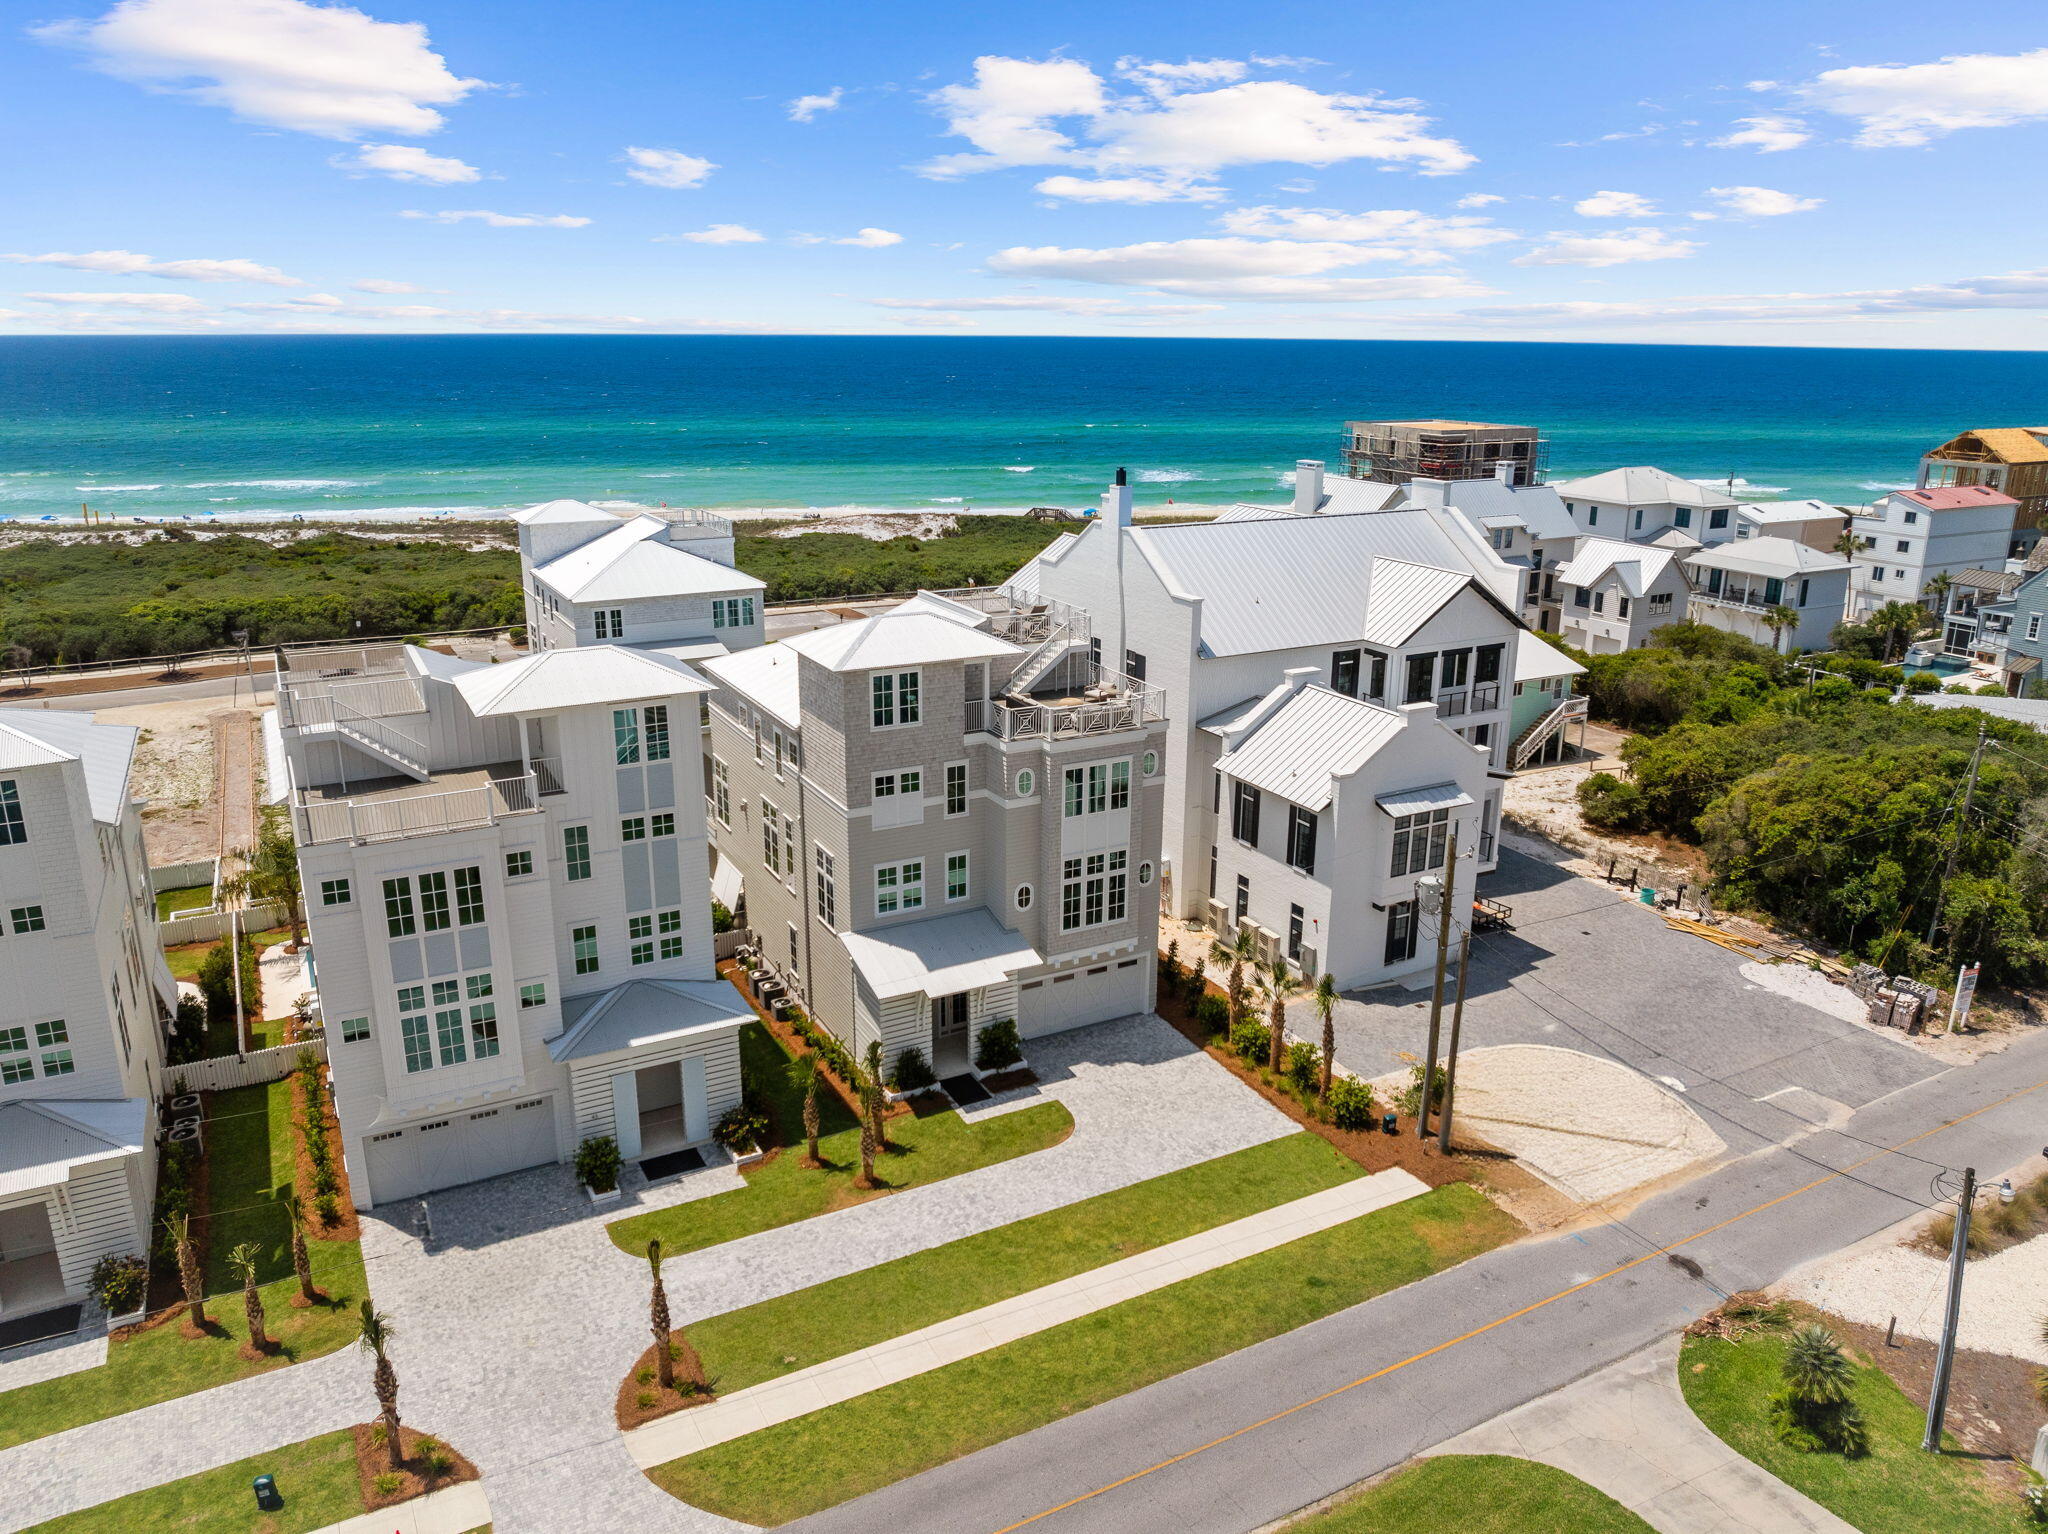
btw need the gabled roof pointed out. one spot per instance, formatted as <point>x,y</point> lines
<point>943,607</point>
<point>1537,660</point>
<point>765,674</point>
<point>1536,507</point>
<point>2012,444</point>
<point>1767,512</point>
<point>1401,597</point>
<point>1777,557</point>
<point>42,1140</point>
<point>1636,565</point>
<point>642,1012</point>
<point>562,513</point>
<point>1024,583</point>
<point>1954,497</point>
<point>897,638</point>
<point>557,679</point>
<point>1343,495</point>
<point>1643,485</point>
<point>2002,582</point>
<point>1304,746</point>
<point>633,560</point>
<point>1677,539</point>
<point>1245,511</point>
<point>32,737</point>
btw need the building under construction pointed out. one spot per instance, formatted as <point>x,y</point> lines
<point>2012,460</point>
<point>1393,452</point>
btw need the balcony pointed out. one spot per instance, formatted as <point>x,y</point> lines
<point>1479,698</point>
<point>1021,621</point>
<point>387,809</point>
<point>547,774</point>
<point>1103,703</point>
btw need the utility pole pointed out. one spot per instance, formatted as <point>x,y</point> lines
<point>1443,1130</point>
<point>1937,1401</point>
<point>1955,842</point>
<point>1436,998</point>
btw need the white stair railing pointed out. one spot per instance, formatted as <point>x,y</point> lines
<point>1540,733</point>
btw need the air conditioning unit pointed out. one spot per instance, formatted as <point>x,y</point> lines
<point>1268,943</point>
<point>1216,915</point>
<point>1309,961</point>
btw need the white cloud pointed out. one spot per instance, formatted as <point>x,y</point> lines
<point>1176,130</point>
<point>866,239</point>
<point>667,168</point>
<point>499,220</point>
<point>156,303</point>
<point>1049,304</point>
<point>717,234</point>
<point>1480,199</point>
<point>385,285</point>
<point>1906,104</point>
<point>1766,135</point>
<point>402,162</point>
<point>1128,189</point>
<point>804,108</point>
<point>128,263</point>
<point>1228,268</point>
<point>1615,205</point>
<point>1760,201</point>
<point>1761,85</point>
<point>328,70</point>
<point>1390,233</point>
<point>1620,248</point>
<point>938,321</point>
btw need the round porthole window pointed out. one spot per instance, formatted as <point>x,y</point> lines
<point>1144,873</point>
<point>1025,782</point>
<point>1151,763</point>
<point>1023,897</point>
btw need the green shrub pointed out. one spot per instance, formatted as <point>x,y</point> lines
<point>216,979</point>
<point>387,1482</point>
<point>912,1073</point>
<point>1304,1065</point>
<point>1350,1103</point>
<point>1411,1095</point>
<point>119,1284</point>
<point>598,1163</point>
<point>741,1126</point>
<point>721,918</point>
<point>1923,681</point>
<point>1606,800</point>
<point>997,1047</point>
<point>1249,1040</point>
<point>1212,1013</point>
<point>327,1208</point>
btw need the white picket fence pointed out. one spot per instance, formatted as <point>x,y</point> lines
<point>212,926</point>
<point>252,1069</point>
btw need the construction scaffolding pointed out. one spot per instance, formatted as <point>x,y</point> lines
<point>1393,452</point>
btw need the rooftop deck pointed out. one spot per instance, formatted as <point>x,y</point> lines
<point>381,809</point>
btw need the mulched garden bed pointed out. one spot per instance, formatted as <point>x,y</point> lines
<point>1992,1407</point>
<point>416,1479</point>
<point>642,1400</point>
<point>166,1294</point>
<point>345,1227</point>
<point>794,1042</point>
<point>1009,1081</point>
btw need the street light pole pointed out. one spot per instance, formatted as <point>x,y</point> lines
<point>1446,887</point>
<point>1443,1132</point>
<point>1944,1360</point>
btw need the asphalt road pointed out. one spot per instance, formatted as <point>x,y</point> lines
<point>165,692</point>
<point>1427,1362</point>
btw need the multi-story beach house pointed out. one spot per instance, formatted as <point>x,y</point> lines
<point>2023,621</point>
<point>1639,502</point>
<point>655,580</point>
<point>947,815</point>
<point>1817,524</point>
<point>1742,586</point>
<point>1391,607</point>
<point>1911,536</point>
<point>1394,452</point>
<point>1526,525</point>
<point>505,878</point>
<point>84,999</point>
<point>2012,460</point>
<point>1614,595</point>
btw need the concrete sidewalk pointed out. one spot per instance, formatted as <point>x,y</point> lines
<point>456,1510</point>
<point>978,1331</point>
<point>1627,1431</point>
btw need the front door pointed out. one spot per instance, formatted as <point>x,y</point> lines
<point>1401,933</point>
<point>949,1033</point>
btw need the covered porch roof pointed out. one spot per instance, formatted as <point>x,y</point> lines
<point>643,1012</point>
<point>939,955</point>
<point>41,1141</point>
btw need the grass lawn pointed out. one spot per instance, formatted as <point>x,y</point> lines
<point>780,1192</point>
<point>184,958</point>
<point>249,1148</point>
<point>745,1347</point>
<point>1478,1494</point>
<point>317,1480</point>
<point>1895,1489</point>
<point>845,1451</point>
<point>196,897</point>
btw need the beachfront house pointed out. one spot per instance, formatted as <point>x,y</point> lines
<point>1911,536</point>
<point>1526,525</point>
<point>2012,460</point>
<point>652,579</point>
<point>1639,502</point>
<point>505,878</point>
<point>1817,524</point>
<point>946,816</point>
<point>1613,595</point>
<point>1545,707</point>
<point>84,1001</point>
<point>2024,640</point>
<point>1750,586</point>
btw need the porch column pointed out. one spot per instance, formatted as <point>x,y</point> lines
<point>626,1112</point>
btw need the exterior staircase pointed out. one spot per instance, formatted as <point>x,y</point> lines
<point>1545,729</point>
<point>381,741</point>
<point>1038,663</point>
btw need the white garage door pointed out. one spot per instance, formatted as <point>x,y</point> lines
<point>1079,996</point>
<point>463,1147</point>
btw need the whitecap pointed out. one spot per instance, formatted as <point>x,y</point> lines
<point>111,489</point>
<point>947,500</point>
<point>1015,469</point>
<point>1882,487</point>
<point>1166,476</point>
<point>1738,483</point>
<point>276,484</point>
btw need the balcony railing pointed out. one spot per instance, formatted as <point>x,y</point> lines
<point>383,817</point>
<point>1110,703</point>
<point>1743,601</point>
<point>547,774</point>
<point>316,703</point>
<point>1476,699</point>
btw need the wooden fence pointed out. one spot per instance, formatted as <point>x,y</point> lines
<point>252,1069</point>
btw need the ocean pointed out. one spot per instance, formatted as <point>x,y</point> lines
<point>376,427</point>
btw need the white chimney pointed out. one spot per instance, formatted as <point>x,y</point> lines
<point>1116,501</point>
<point>1504,471</point>
<point>1308,486</point>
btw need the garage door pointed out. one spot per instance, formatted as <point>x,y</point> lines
<point>463,1147</point>
<point>1079,996</point>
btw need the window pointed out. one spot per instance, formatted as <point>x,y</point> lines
<point>1682,516</point>
<point>1092,890</point>
<point>895,699</point>
<point>1621,607</point>
<point>828,889</point>
<point>1717,518</point>
<point>412,998</point>
<point>721,792</point>
<point>1581,597</point>
<point>518,864</point>
<point>1244,812</point>
<point>732,612</point>
<point>795,950</point>
<point>1119,785</point>
<point>771,838</point>
<point>899,887</point>
<point>1212,870</point>
<point>611,622</point>
<point>1301,839</point>
<point>576,851</point>
<point>533,995</point>
<point>1150,764</point>
<point>15,1064</point>
<point>1134,665</point>
<point>1419,841</point>
<point>1904,546</point>
<point>1878,573</point>
<point>26,918</point>
<point>398,915</point>
<point>2033,626</point>
<point>1639,519</point>
<point>1144,873</point>
<point>663,824</point>
<point>419,1048</point>
<point>640,937</point>
<point>1077,791</point>
<point>1025,783</point>
<point>433,902</point>
<point>1095,652</point>
<point>889,784</point>
<point>483,1030</point>
<point>633,828</point>
<point>478,986</point>
<point>1912,517</point>
<point>1898,575</point>
<point>334,892</point>
<point>1244,896</point>
<point>1592,515</point>
<point>1294,926</point>
<point>956,876</point>
<point>654,732</point>
<point>583,945</point>
<point>448,1033</point>
<point>1421,670</point>
<point>789,846</point>
<point>626,735</point>
<point>956,788</point>
<point>669,926</point>
<point>1660,601</point>
<point>469,896</point>
<point>354,1029</point>
<point>1023,897</point>
<point>1401,932</point>
<point>1344,668</point>
<point>12,831</point>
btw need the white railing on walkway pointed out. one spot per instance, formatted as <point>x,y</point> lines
<point>1540,732</point>
<point>387,816</point>
<point>1125,705</point>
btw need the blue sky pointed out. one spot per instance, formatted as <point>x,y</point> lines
<point>1736,173</point>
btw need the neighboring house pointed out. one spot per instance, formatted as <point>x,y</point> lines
<point>1545,708</point>
<point>2012,460</point>
<point>1737,586</point>
<point>1911,536</point>
<point>946,815</point>
<point>1614,595</point>
<point>1526,525</point>
<point>1640,502</point>
<point>1817,524</point>
<point>1390,606</point>
<point>505,882</point>
<point>652,580</point>
<point>2025,622</point>
<point>1334,807</point>
<point>84,996</point>
<point>1974,613</point>
<point>1394,452</point>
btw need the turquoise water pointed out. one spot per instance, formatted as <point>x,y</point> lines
<point>264,426</point>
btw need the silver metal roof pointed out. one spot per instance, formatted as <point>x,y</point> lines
<point>1400,597</point>
<point>41,1141</point>
<point>29,736</point>
<point>556,679</point>
<point>1413,801</point>
<point>1314,738</point>
<point>642,1012</point>
<point>939,955</point>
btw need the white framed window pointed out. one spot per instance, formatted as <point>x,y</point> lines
<point>956,876</point>
<point>1419,841</point>
<point>611,622</point>
<point>899,887</point>
<point>895,698</point>
<point>335,892</point>
<point>533,993</point>
<point>1144,873</point>
<point>583,947</point>
<point>789,846</point>
<point>1023,897</point>
<point>721,792</point>
<point>956,788</point>
<point>827,888</point>
<point>1026,782</point>
<point>732,612</point>
<point>354,1029</point>
<point>889,784</point>
<point>771,838</point>
<point>1150,763</point>
<point>518,864</point>
<point>2033,626</point>
<point>26,918</point>
<point>12,829</point>
<point>16,1064</point>
<point>1092,890</point>
<point>633,828</point>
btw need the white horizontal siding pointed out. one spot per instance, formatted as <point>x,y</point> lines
<point>590,1085</point>
<point>96,1217</point>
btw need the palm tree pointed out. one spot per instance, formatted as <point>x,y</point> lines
<point>1279,982</point>
<point>1847,542</point>
<point>302,1264</point>
<point>1325,1003</point>
<point>812,1112</point>
<point>243,1260</point>
<point>657,1320</point>
<point>872,1099</point>
<point>1778,620</point>
<point>376,1335</point>
<point>1242,949</point>
<point>1816,1370</point>
<point>1939,589</point>
<point>1898,622</point>
<point>867,1144</point>
<point>189,1276</point>
<point>271,873</point>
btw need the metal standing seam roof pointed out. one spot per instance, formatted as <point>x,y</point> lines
<point>562,513</point>
<point>1775,557</point>
<point>1536,507</point>
<point>1245,511</point>
<point>32,737</point>
<point>1309,742</point>
<point>1024,581</point>
<point>1401,597</point>
<point>41,1141</point>
<point>634,561</point>
<point>1538,660</point>
<point>897,638</point>
<point>1414,801</point>
<point>556,679</point>
<point>1636,565</point>
<point>939,955</point>
<point>1789,511</point>
<point>765,674</point>
<point>1643,485</point>
<point>643,1012</point>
